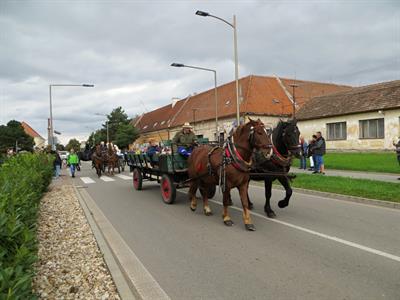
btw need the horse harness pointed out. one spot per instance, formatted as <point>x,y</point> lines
<point>231,155</point>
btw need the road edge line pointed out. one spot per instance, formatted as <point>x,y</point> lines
<point>138,280</point>
<point>348,198</point>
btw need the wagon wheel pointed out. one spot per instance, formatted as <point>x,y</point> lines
<point>137,179</point>
<point>168,189</point>
<point>211,191</point>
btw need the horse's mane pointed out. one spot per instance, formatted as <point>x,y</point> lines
<point>278,130</point>
<point>238,130</point>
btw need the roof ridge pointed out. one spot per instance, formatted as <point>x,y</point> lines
<point>34,131</point>
<point>364,88</point>
<point>312,81</point>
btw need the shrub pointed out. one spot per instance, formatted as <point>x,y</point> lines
<point>23,180</point>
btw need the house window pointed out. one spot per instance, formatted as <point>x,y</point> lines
<point>336,131</point>
<point>372,129</point>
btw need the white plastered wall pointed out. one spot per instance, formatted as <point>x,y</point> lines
<point>353,142</point>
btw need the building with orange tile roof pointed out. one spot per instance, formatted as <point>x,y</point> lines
<point>37,138</point>
<point>364,118</point>
<point>266,97</point>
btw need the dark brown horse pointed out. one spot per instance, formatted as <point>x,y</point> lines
<point>285,139</point>
<point>97,160</point>
<point>228,167</point>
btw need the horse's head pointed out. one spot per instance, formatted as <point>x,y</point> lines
<point>290,134</point>
<point>256,135</point>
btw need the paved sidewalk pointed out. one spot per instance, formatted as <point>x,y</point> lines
<point>354,174</point>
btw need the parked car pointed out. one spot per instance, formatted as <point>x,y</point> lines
<point>63,154</point>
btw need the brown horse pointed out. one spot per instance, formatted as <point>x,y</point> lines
<point>112,159</point>
<point>97,160</point>
<point>228,167</point>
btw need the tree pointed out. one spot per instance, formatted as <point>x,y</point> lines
<point>60,147</point>
<point>116,118</point>
<point>73,143</point>
<point>126,134</point>
<point>13,133</point>
<point>96,137</point>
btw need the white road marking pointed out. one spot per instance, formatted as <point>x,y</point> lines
<point>325,236</point>
<point>106,179</point>
<point>124,177</point>
<point>333,199</point>
<point>87,180</point>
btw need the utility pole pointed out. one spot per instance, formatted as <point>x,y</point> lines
<point>294,86</point>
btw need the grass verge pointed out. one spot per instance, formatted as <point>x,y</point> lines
<point>385,162</point>
<point>371,189</point>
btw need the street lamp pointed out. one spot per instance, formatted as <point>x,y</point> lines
<point>215,91</point>
<point>107,123</point>
<point>51,130</point>
<point>234,26</point>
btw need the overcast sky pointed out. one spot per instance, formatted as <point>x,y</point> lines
<point>125,48</point>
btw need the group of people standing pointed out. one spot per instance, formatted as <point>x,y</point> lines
<point>315,150</point>
<point>72,162</point>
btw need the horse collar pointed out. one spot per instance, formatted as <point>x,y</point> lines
<point>233,156</point>
<point>278,158</point>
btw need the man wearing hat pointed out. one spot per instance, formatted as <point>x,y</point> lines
<point>184,140</point>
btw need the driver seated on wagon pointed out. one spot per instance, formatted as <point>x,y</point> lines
<point>185,140</point>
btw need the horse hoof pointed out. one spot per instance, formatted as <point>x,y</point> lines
<point>228,223</point>
<point>250,227</point>
<point>270,214</point>
<point>283,203</point>
<point>208,213</point>
<point>193,208</point>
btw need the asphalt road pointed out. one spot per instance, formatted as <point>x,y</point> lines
<point>317,248</point>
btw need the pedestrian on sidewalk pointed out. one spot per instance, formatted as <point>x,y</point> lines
<point>319,150</point>
<point>303,154</point>
<point>72,161</point>
<point>310,153</point>
<point>397,152</point>
<point>57,164</point>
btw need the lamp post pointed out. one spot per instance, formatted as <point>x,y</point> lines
<point>51,129</point>
<point>234,26</point>
<point>215,90</point>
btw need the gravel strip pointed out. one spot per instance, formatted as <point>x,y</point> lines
<point>70,264</point>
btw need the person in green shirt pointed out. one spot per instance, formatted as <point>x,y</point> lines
<point>72,161</point>
<point>184,140</point>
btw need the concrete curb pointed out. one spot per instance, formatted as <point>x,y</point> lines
<point>139,284</point>
<point>374,202</point>
<point>123,288</point>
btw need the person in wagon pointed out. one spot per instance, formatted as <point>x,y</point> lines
<point>184,140</point>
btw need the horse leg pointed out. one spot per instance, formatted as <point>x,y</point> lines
<point>225,214</point>
<point>206,207</point>
<point>268,191</point>
<point>192,195</point>
<point>285,183</point>
<point>245,204</point>
<point>251,205</point>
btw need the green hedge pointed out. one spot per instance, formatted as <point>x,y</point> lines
<point>23,180</point>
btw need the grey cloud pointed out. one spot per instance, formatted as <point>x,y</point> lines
<point>124,45</point>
